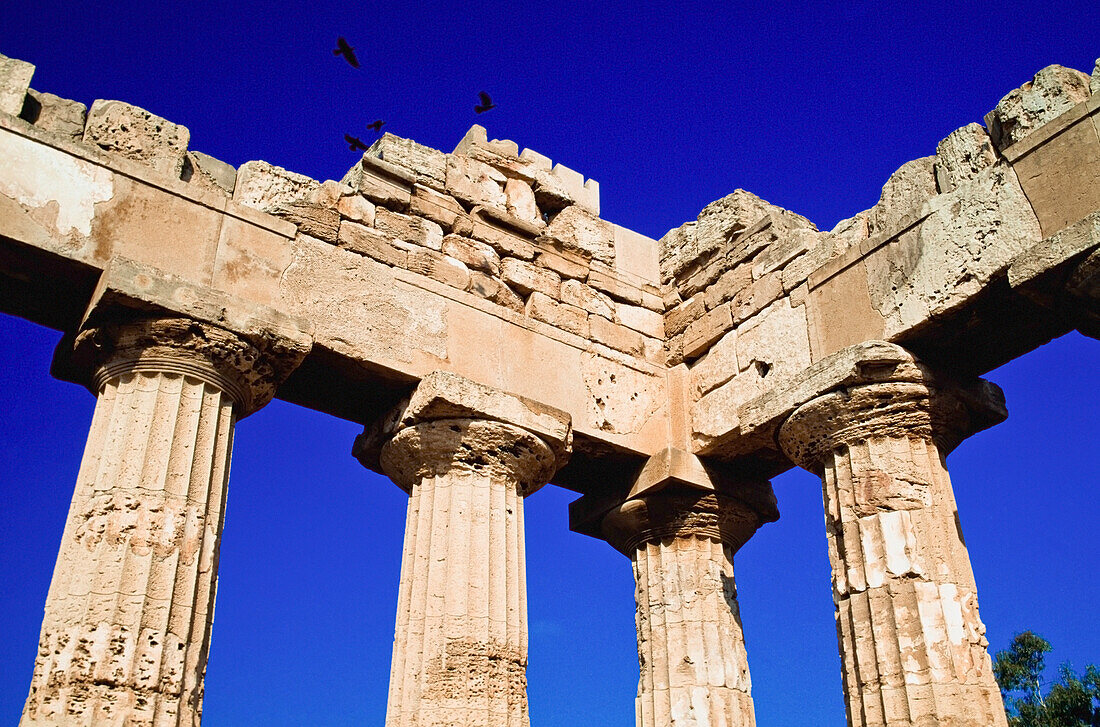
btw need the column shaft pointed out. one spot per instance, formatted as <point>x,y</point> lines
<point>694,669</point>
<point>912,644</point>
<point>912,641</point>
<point>127,625</point>
<point>460,648</point>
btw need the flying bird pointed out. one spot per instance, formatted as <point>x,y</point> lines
<point>376,127</point>
<point>486,103</point>
<point>345,50</point>
<point>355,143</point>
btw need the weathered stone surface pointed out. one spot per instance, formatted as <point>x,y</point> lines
<point>717,366</point>
<point>520,200</point>
<point>372,243</point>
<point>526,278</point>
<point>267,187</point>
<point>615,336</point>
<point>560,315</point>
<point>963,155</point>
<point>641,320</point>
<point>565,264</point>
<point>493,290</point>
<point>707,329</point>
<point>1053,90</point>
<point>475,254</point>
<point>211,173</point>
<point>429,165</point>
<point>583,296</point>
<point>578,230</point>
<point>382,183</point>
<point>1094,80</point>
<point>134,133</point>
<point>904,193</point>
<point>415,230</point>
<point>439,267</point>
<point>475,182</point>
<point>54,114</point>
<point>15,80</point>
<point>357,208</point>
<point>607,279</point>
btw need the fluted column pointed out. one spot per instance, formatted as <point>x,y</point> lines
<point>912,644</point>
<point>127,621</point>
<point>467,455</point>
<point>691,650</point>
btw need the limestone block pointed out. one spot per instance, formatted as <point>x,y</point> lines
<point>1054,90</point>
<point>371,243</point>
<point>615,336</point>
<point>134,133</point>
<point>560,315</point>
<point>521,200</point>
<point>714,415</point>
<point>493,290</point>
<point>267,187</point>
<point>607,279</point>
<point>679,318</point>
<point>969,237</point>
<point>414,230</point>
<point>565,264</point>
<point>717,366</point>
<point>54,114</point>
<point>536,160</point>
<point>474,135</point>
<point>429,165</point>
<point>640,319</point>
<point>444,395</point>
<point>475,182</point>
<point>963,155</point>
<point>440,208</point>
<point>208,172</point>
<point>905,191</point>
<point>583,296</point>
<point>357,208</point>
<point>727,286</point>
<point>382,183</point>
<point>828,247</point>
<point>15,80</point>
<point>312,219</point>
<point>707,329</point>
<point>438,266</point>
<point>507,244</point>
<point>1094,80</point>
<point>755,297</point>
<point>775,344</point>
<point>551,193</point>
<point>527,278</point>
<point>636,254</point>
<point>475,254</point>
<point>786,246</point>
<point>578,230</point>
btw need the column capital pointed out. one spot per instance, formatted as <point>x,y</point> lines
<point>140,319</point>
<point>906,401</point>
<point>449,422</point>
<point>680,513</point>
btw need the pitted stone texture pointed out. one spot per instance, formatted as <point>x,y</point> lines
<point>134,133</point>
<point>15,80</point>
<point>905,191</point>
<point>912,643</point>
<point>126,632</point>
<point>1053,90</point>
<point>962,156</point>
<point>1094,80</point>
<point>54,114</point>
<point>460,648</point>
<point>691,651</point>
<point>209,172</point>
<point>268,188</point>
<point>578,230</point>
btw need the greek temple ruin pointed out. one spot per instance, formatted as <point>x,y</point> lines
<point>493,334</point>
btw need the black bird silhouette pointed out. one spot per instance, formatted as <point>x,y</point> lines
<point>486,103</point>
<point>355,143</point>
<point>345,50</point>
<point>376,127</point>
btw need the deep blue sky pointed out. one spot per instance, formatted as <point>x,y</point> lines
<point>669,109</point>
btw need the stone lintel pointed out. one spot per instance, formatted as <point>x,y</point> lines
<point>864,363</point>
<point>445,395</point>
<point>675,470</point>
<point>1062,273</point>
<point>129,291</point>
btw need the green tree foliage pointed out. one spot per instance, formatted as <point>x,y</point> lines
<point>1072,701</point>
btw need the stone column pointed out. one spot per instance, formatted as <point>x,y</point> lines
<point>691,651</point>
<point>128,617</point>
<point>912,644</point>
<point>468,456</point>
